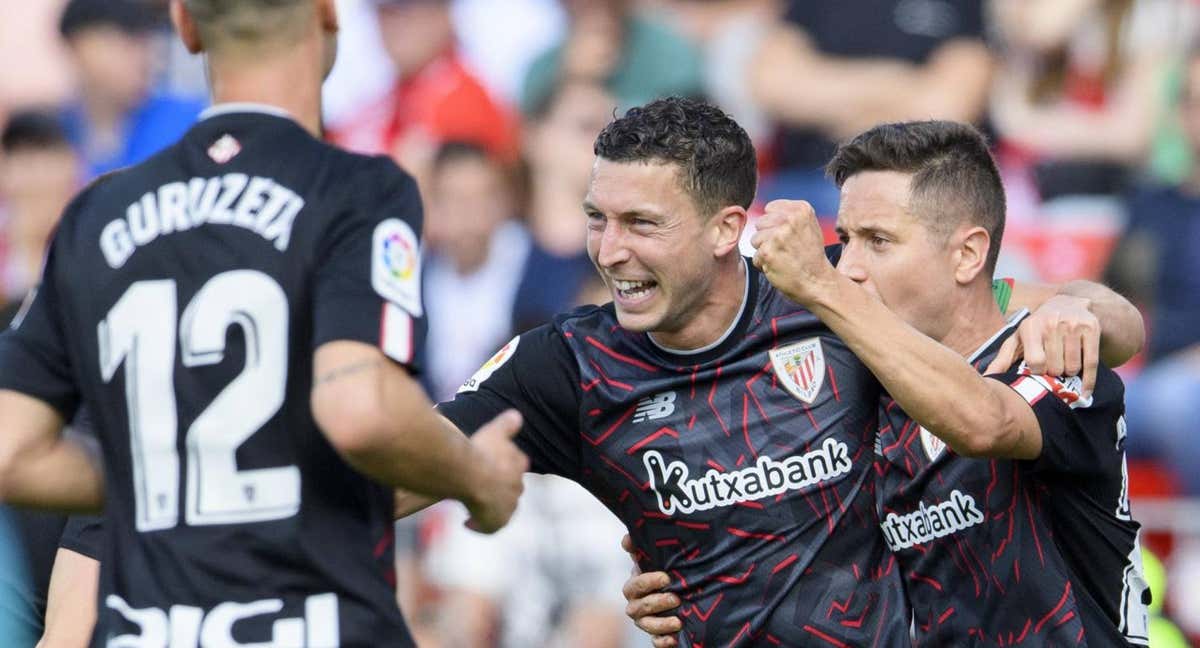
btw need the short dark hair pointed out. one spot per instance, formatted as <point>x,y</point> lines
<point>954,178</point>
<point>716,157</point>
<point>33,129</point>
<point>131,16</point>
<point>452,151</point>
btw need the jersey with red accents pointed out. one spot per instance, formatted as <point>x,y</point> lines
<point>998,552</point>
<point>182,300</point>
<point>742,470</point>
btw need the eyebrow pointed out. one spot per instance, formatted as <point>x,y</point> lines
<point>589,206</point>
<point>868,228</point>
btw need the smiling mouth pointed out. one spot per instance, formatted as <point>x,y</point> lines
<point>633,290</point>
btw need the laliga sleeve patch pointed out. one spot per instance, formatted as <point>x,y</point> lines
<point>396,265</point>
<point>502,356</point>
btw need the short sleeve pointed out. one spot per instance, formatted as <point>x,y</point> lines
<point>1080,436</point>
<point>368,272</point>
<point>535,374</point>
<point>34,356</point>
<point>84,534</point>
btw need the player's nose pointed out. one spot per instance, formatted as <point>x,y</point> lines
<point>850,264</point>
<point>611,246</point>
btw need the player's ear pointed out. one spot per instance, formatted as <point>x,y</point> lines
<point>185,25</point>
<point>971,252</point>
<point>726,227</point>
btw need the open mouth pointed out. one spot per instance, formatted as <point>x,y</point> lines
<point>634,291</point>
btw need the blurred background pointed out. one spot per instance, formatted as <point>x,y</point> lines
<point>1093,107</point>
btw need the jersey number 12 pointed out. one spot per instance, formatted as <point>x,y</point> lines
<point>140,332</point>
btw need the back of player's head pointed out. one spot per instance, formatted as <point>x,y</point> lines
<point>715,155</point>
<point>33,130</point>
<point>954,178</point>
<point>232,23</point>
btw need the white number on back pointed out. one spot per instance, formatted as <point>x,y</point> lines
<point>140,332</point>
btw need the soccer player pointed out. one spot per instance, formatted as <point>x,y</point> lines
<point>719,420</point>
<point>1009,517</point>
<point>240,314</point>
<point>678,406</point>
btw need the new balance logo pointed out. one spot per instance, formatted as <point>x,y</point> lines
<point>655,407</point>
<point>931,522</point>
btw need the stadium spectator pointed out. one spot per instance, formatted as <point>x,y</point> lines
<point>728,34</point>
<point>39,173</point>
<point>1157,263</point>
<point>1071,70</point>
<point>833,68</point>
<point>558,153</point>
<point>634,57</point>
<point>436,98</point>
<point>475,250</point>
<point>117,119</point>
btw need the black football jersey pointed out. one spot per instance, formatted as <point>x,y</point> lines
<point>998,552</point>
<point>182,300</point>
<point>742,470</point>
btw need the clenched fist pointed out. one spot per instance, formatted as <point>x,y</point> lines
<point>790,250</point>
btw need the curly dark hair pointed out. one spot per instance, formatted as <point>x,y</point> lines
<point>715,156</point>
<point>954,178</point>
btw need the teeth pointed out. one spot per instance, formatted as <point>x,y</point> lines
<point>632,288</point>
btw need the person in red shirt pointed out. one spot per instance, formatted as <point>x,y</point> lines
<point>436,97</point>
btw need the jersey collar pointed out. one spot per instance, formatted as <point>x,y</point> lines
<point>1012,323</point>
<point>217,110</point>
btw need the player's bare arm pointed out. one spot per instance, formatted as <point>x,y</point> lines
<point>380,421</point>
<point>71,601</point>
<point>1072,324</point>
<point>38,466</point>
<point>976,417</point>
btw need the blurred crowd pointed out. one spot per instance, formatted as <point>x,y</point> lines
<point>1093,107</point>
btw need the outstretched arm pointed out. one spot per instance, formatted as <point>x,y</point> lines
<point>1082,315</point>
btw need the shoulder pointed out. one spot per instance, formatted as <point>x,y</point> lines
<point>586,319</point>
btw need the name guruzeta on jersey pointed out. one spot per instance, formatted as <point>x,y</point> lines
<point>255,203</point>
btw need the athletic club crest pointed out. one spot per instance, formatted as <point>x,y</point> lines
<point>801,368</point>
<point>932,444</point>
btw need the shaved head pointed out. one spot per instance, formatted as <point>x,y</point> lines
<point>250,24</point>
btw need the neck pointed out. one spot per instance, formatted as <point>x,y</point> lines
<point>284,79</point>
<point>720,308</point>
<point>976,318</point>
